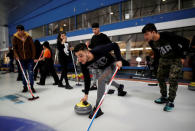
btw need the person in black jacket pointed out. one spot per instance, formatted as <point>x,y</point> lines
<point>98,58</point>
<point>171,50</point>
<point>64,58</point>
<point>99,39</point>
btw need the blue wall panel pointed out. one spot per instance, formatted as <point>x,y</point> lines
<point>60,9</point>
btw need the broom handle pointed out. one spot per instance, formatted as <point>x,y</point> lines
<point>25,78</point>
<point>102,99</point>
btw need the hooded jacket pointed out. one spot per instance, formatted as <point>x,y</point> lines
<point>23,49</point>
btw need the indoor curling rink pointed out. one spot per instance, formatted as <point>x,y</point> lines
<point>54,110</point>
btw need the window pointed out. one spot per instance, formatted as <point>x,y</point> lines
<point>56,27</point>
<point>130,9</point>
<point>187,3</point>
<point>72,23</point>
<point>38,32</point>
<point>50,29</point>
<point>126,10</point>
<point>79,22</point>
<point>114,13</point>
<point>168,5</point>
<point>150,7</point>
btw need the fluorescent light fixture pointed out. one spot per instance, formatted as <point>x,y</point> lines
<point>132,49</point>
<point>123,49</point>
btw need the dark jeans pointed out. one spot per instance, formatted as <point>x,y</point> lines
<point>11,65</point>
<point>27,65</point>
<point>19,72</point>
<point>64,73</point>
<point>46,69</point>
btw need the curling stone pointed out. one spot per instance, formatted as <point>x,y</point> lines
<point>191,86</point>
<point>83,108</point>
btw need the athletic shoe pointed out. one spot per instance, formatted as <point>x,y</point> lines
<point>55,83</point>
<point>120,91</point>
<point>19,78</point>
<point>93,87</point>
<point>161,100</point>
<point>68,87</point>
<point>99,113</point>
<point>39,83</point>
<point>61,85</point>
<point>169,106</point>
<point>111,91</point>
<point>25,89</point>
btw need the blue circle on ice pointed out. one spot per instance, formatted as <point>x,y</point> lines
<point>19,124</point>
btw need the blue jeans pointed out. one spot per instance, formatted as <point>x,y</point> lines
<point>28,65</point>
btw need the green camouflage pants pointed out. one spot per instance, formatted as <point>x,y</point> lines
<point>169,69</point>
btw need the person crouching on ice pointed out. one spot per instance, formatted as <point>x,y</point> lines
<point>98,58</point>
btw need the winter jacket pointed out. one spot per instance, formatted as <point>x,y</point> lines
<point>23,49</point>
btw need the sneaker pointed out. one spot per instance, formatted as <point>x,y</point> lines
<point>19,79</point>
<point>161,100</point>
<point>93,87</point>
<point>25,89</point>
<point>169,106</point>
<point>39,83</point>
<point>68,87</point>
<point>111,91</point>
<point>61,85</point>
<point>120,91</point>
<point>99,113</point>
<point>56,83</point>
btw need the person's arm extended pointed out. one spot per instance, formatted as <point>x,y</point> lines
<point>87,79</point>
